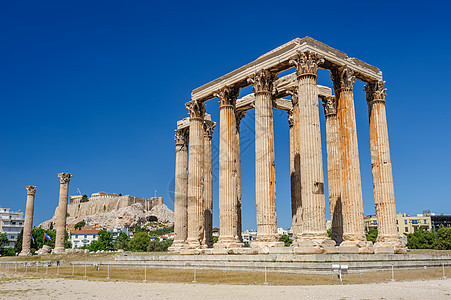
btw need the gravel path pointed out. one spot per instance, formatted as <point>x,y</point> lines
<point>37,288</point>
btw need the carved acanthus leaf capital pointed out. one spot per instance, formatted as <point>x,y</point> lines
<point>343,79</point>
<point>330,105</point>
<point>290,117</point>
<point>181,138</point>
<point>306,63</point>
<point>64,177</point>
<point>293,92</point>
<point>209,127</point>
<point>196,109</point>
<point>239,115</point>
<point>375,92</point>
<point>31,190</point>
<point>263,82</point>
<point>227,96</point>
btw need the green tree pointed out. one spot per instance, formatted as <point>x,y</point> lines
<point>122,241</point>
<point>444,238</point>
<point>159,246</point>
<point>18,243</point>
<point>422,240</point>
<point>84,198</point>
<point>3,242</point>
<point>162,231</point>
<point>140,242</point>
<point>286,239</point>
<point>80,225</point>
<point>371,235</point>
<point>106,238</point>
<point>215,239</point>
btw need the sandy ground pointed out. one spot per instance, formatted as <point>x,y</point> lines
<point>40,288</point>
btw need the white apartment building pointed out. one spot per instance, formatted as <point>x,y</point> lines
<point>81,238</point>
<point>11,224</point>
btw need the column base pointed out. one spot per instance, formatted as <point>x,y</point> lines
<point>390,247</point>
<point>356,247</point>
<point>58,250</point>
<point>25,253</point>
<point>176,247</point>
<point>314,245</point>
<point>263,247</point>
<point>228,243</point>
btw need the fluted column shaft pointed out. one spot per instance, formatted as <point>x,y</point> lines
<point>351,193</point>
<point>228,196</point>
<point>28,224</point>
<point>62,212</point>
<point>384,195</point>
<point>239,116</point>
<point>181,188</point>
<point>265,189</point>
<point>333,167</point>
<point>196,111</point>
<point>295,167</point>
<point>208,183</point>
<point>312,178</point>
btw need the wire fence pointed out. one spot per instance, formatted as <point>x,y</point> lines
<point>102,271</point>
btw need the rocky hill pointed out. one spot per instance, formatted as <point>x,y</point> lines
<point>129,216</point>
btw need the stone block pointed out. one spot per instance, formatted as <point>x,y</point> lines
<point>383,250</point>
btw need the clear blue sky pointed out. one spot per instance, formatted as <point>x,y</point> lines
<point>95,88</point>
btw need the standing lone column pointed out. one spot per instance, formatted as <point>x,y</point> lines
<point>354,240</point>
<point>314,237</point>
<point>62,212</point>
<point>208,183</point>
<point>181,190</point>
<point>196,110</point>
<point>295,167</point>
<point>239,115</point>
<point>333,167</point>
<point>265,189</point>
<point>228,194</point>
<point>28,225</point>
<point>384,194</point>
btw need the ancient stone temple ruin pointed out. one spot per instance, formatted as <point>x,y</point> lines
<point>193,174</point>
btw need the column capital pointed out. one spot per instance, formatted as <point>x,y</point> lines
<point>181,138</point>
<point>263,82</point>
<point>343,79</point>
<point>330,106</point>
<point>293,92</point>
<point>209,127</point>
<point>64,177</point>
<point>31,190</point>
<point>306,63</point>
<point>196,109</point>
<point>375,92</point>
<point>227,96</point>
<point>290,118</point>
<point>239,115</point>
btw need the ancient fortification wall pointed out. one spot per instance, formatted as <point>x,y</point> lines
<point>106,204</point>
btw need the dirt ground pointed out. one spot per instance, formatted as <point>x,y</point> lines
<point>28,287</point>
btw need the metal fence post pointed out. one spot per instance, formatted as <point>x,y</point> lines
<point>392,274</point>
<point>194,281</point>
<point>26,267</point>
<point>73,269</point>
<point>108,272</point>
<point>85,270</point>
<point>266,278</point>
<point>443,266</point>
<point>145,273</point>
<point>36,267</point>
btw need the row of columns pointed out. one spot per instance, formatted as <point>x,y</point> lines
<point>307,179</point>
<point>60,216</point>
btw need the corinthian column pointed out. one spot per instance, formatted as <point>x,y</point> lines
<point>354,239</point>
<point>26,241</point>
<point>333,167</point>
<point>208,183</point>
<point>314,238</point>
<point>196,110</point>
<point>265,179</point>
<point>228,195</point>
<point>62,212</point>
<point>181,190</point>
<point>295,167</point>
<point>384,194</point>
<point>239,115</point>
